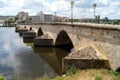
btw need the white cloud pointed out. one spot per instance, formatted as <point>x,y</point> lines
<point>82,8</point>
<point>4,1</point>
<point>112,11</point>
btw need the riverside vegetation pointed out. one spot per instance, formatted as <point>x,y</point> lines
<point>88,74</point>
<point>1,78</point>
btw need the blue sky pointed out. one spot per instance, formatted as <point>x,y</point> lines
<point>82,8</point>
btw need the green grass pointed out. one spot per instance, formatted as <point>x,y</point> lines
<point>16,78</point>
<point>2,78</point>
<point>56,78</point>
<point>76,74</point>
<point>72,70</point>
<point>90,74</point>
<point>98,78</point>
<point>30,44</point>
<point>117,74</point>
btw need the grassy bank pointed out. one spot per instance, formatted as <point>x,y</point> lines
<point>91,74</point>
<point>2,78</point>
<point>30,44</point>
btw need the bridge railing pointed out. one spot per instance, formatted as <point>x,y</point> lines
<point>87,24</point>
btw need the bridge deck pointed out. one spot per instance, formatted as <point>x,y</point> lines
<point>80,24</point>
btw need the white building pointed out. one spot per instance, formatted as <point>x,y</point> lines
<point>45,17</point>
<point>40,17</point>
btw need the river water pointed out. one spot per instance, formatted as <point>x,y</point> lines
<point>19,59</point>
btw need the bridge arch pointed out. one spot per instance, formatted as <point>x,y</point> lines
<point>30,28</point>
<point>118,70</point>
<point>40,32</point>
<point>24,27</point>
<point>64,41</point>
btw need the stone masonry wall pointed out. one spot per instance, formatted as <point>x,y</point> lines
<point>84,64</point>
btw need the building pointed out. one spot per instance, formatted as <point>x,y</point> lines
<point>22,16</point>
<point>48,18</point>
<point>45,17</point>
<point>61,19</point>
<point>33,19</point>
<point>39,17</point>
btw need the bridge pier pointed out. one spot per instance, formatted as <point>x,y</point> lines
<point>29,36</point>
<point>84,59</point>
<point>17,29</point>
<point>21,32</point>
<point>44,41</point>
<point>20,29</point>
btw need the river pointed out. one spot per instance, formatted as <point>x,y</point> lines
<point>17,59</point>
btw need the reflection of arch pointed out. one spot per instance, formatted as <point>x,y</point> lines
<point>118,70</point>
<point>64,41</point>
<point>49,55</point>
<point>40,32</point>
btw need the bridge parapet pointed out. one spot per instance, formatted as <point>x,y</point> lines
<point>79,24</point>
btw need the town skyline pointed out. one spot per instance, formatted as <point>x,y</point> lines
<point>81,8</point>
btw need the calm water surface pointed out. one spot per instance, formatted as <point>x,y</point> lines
<point>19,59</point>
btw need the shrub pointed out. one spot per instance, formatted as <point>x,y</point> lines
<point>98,78</point>
<point>72,70</point>
<point>115,73</point>
<point>2,78</point>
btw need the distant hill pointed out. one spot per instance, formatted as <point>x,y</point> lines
<point>6,17</point>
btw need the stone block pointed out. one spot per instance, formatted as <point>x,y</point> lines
<point>86,58</point>
<point>29,34</point>
<point>28,40</point>
<point>84,64</point>
<point>21,32</point>
<point>38,42</point>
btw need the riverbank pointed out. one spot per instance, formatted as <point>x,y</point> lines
<point>1,78</point>
<point>90,74</point>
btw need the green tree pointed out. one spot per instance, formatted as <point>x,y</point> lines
<point>106,20</point>
<point>97,18</point>
<point>30,19</point>
<point>23,21</point>
<point>115,21</point>
<point>5,23</point>
<point>16,18</point>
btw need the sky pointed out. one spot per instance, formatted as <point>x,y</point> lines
<point>81,8</point>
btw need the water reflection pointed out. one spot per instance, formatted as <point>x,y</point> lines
<point>53,56</point>
<point>33,65</point>
<point>28,40</point>
<point>16,58</point>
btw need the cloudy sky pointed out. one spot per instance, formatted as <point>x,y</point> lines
<point>82,8</point>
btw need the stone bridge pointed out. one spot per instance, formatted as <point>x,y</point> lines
<point>103,41</point>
